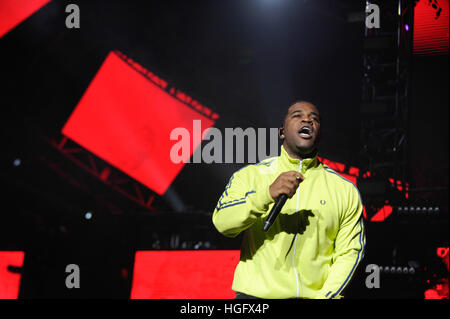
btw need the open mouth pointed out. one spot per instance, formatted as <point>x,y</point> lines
<point>305,132</point>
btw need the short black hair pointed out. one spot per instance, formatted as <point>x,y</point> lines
<point>287,110</point>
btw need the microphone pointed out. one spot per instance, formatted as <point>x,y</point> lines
<point>275,211</point>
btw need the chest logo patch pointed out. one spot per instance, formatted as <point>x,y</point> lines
<point>323,202</point>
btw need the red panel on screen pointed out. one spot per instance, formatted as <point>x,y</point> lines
<point>10,281</point>
<point>382,214</point>
<point>184,274</point>
<point>431,27</point>
<point>332,164</point>
<point>353,172</point>
<point>126,119</point>
<point>13,12</point>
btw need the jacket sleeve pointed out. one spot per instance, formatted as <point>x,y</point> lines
<point>243,201</point>
<point>349,249</point>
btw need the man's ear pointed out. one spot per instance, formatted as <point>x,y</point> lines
<point>281,133</point>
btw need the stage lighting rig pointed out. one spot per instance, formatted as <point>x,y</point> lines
<point>385,91</point>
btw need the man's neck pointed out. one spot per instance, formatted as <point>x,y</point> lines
<point>299,155</point>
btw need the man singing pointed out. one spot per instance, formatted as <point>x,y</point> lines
<point>317,241</point>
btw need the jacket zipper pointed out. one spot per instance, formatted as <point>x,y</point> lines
<point>295,238</point>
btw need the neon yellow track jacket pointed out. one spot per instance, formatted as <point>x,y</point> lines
<point>315,244</point>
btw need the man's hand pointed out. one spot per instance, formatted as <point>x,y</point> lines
<point>287,183</point>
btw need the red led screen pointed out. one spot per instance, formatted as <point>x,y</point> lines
<point>13,12</point>
<point>126,119</point>
<point>184,274</point>
<point>431,27</point>
<point>382,214</point>
<point>10,281</point>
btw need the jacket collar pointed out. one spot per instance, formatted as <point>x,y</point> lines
<point>293,163</point>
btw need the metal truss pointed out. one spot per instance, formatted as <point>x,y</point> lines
<point>385,91</point>
<point>116,180</point>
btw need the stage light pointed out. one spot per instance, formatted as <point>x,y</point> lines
<point>17,162</point>
<point>398,270</point>
<point>406,27</point>
<point>88,215</point>
<point>418,210</point>
<point>442,252</point>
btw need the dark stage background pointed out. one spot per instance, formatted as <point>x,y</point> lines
<point>244,60</point>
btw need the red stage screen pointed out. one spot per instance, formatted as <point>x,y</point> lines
<point>126,117</point>
<point>13,12</point>
<point>184,274</point>
<point>10,281</point>
<point>431,27</point>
